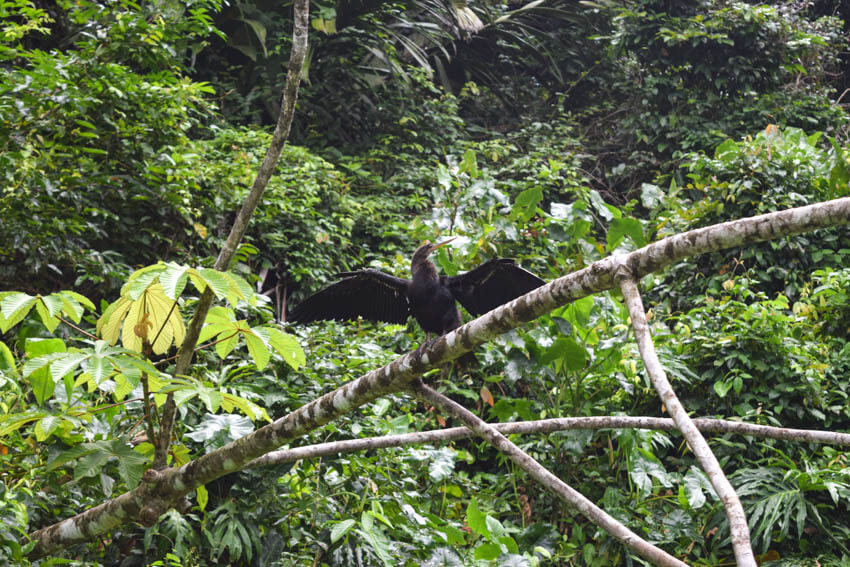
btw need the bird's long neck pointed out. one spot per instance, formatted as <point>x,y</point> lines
<point>424,270</point>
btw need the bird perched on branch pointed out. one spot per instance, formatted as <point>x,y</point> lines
<point>429,297</point>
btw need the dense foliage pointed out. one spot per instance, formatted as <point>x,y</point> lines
<point>556,133</point>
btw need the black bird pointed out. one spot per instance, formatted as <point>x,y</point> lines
<point>428,296</point>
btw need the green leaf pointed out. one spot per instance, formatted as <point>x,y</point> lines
<point>53,303</point>
<point>94,456</point>
<point>454,536</point>
<point>568,352</point>
<point>173,280</point>
<point>476,520</point>
<point>100,368</point>
<point>469,164</point>
<point>7,361</point>
<point>257,347</point>
<point>41,352</point>
<point>722,388</point>
<point>13,308</point>
<point>219,283</point>
<point>66,364</point>
<point>13,422</point>
<point>123,387</point>
<point>70,307</point>
<point>140,281</point>
<point>240,289</point>
<point>78,298</point>
<point>525,205</point>
<point>48,320</point>
<point>488,551</point>
<point>226,346</point>
<point>727,151</point>
<point>229,402</point>
<point>203,497</point>
<point>287,346</point>
<point>340,529</point>
<point>622,227</point>
<point>45,427</point>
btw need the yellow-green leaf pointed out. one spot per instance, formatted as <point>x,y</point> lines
<point>123,387</point>
<point>7,361</point>
<point>109,325</point>
<point>217,280</point>
<point>287,346</point>
<point>173,280</point>
<point>13,308</point>
<point>79,298</point>
<point>45,427</point>
<point>70,307</point>
<point>257,348</point>
<point>49,321</point>
<point>203,497</point>
<point>226,346</point>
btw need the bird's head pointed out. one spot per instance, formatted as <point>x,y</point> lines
<point>425,250</point>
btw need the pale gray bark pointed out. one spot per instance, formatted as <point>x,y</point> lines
<point>549,481</point>
<point>164,489</point>
<point>738,528</point>
<point>437,436</point>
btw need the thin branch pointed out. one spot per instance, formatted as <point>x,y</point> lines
<point>240,224</point>
<point>738,528</point>
<point>76,328</point>
<point>549,481</point>
<point>546,426</point>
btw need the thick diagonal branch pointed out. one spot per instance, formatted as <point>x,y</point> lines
<point>240,225</point>
<point>738,528</point>
<point>549,481</point>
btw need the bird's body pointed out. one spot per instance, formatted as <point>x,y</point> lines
<point>429,297</point>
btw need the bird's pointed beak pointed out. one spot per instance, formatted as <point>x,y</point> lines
<point>440,245</point>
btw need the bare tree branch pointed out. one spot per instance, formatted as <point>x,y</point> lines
<point>549,481</point>
<point>738,528</point>
<point>546,426</point>
<point>240,225</point>
<point>164,489</point>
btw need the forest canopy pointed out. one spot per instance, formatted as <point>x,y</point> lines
<point>559,134</point>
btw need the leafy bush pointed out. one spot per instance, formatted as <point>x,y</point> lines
<point>775,170</point>
<point>87,133</point>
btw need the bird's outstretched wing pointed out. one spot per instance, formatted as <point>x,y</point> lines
<point>492,284</point>
<point>370,294</point>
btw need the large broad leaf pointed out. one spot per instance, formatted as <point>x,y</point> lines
<point>94,456</point>
<point>173,280</point>
<point>476,520</point>
<point>567,353</point>
<point>153,318</point>
<point>13,308</point>
<point>622,227</point>
<point>257,341</point>
<point>287,346</point>
<point>41,352</point>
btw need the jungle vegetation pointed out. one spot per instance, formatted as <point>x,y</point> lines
<point>556,133</point>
